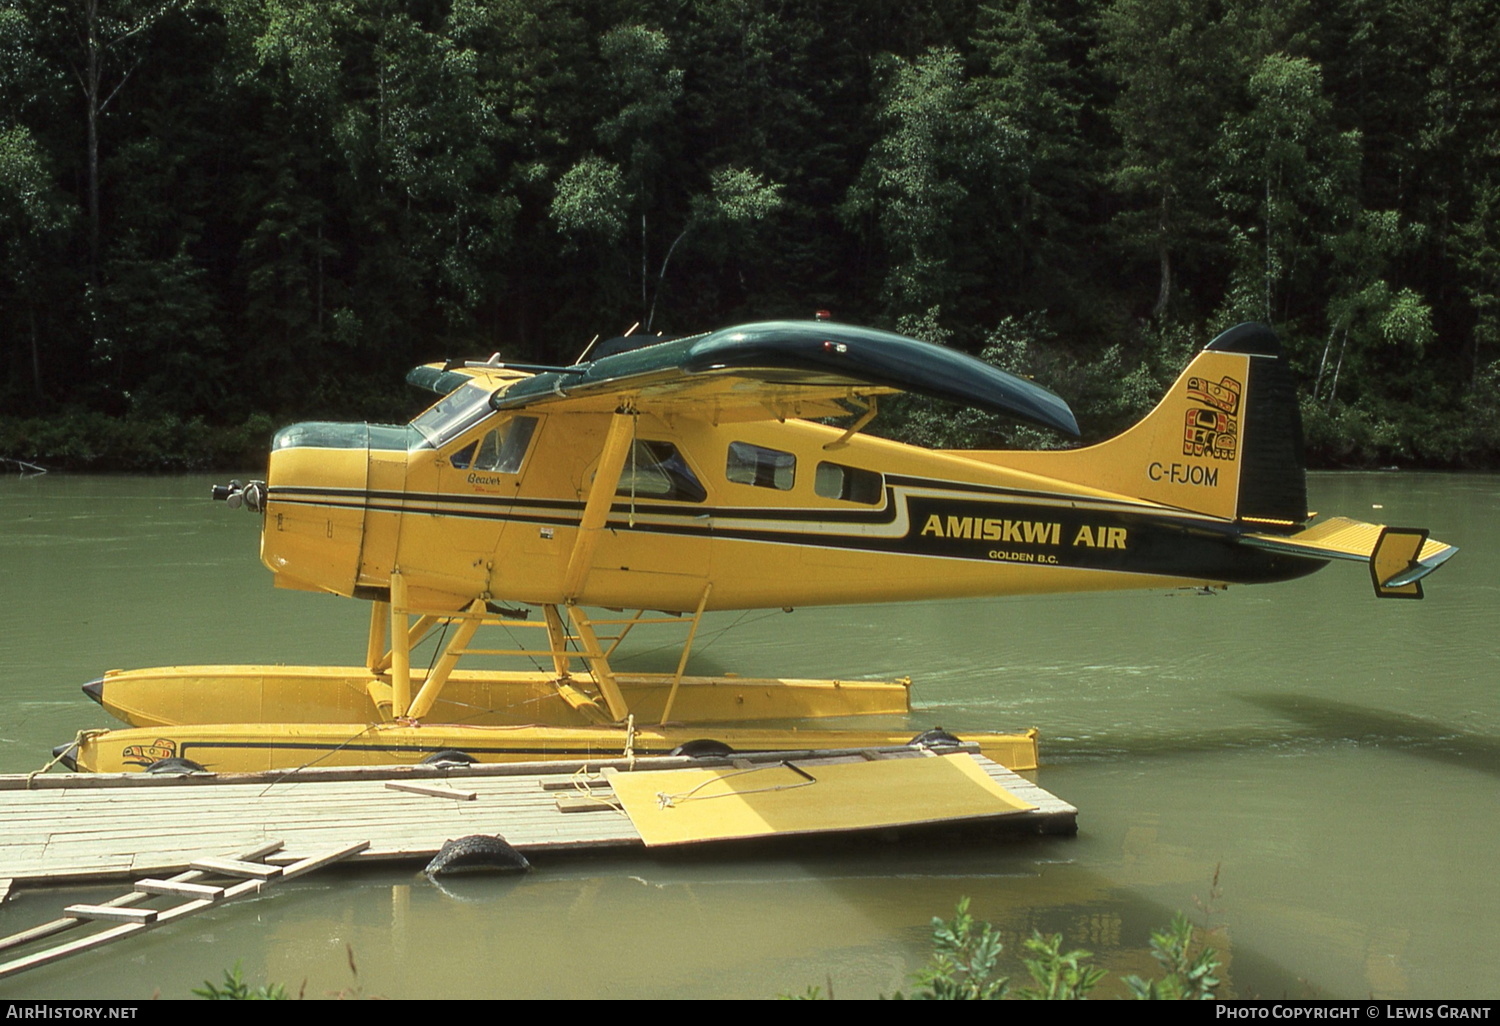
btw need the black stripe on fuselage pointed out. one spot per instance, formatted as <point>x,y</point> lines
<point>440,503</point>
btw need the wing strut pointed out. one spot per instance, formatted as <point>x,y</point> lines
<point>601,495</point>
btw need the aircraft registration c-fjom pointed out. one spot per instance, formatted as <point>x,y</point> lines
<point>694,474</point>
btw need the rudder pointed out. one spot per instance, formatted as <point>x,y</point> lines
<point>1273,475</point>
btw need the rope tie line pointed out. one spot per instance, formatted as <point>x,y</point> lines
<point>667,801</point>
<point>581,787</point>
<point>79,739</point>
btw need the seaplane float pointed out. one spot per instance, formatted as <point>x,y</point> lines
<point>681,476</point>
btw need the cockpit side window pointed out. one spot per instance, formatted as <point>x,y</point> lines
<point>656,470</point>
<point>500,451</point>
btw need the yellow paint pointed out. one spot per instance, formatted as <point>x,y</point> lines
<point>1155,460</point>
<point>181,695</point>
<point>681,806</point>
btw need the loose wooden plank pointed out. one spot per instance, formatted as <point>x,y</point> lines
<point>64,950</point>
<point>112,913</point>
<point>586,803</point>
<point>431,791</point>
<point>207,892</point>
<point>574,783</point>
<point>234,867</point>
<point>307,865</point>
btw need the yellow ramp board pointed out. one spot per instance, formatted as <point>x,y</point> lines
<point>781,799</point>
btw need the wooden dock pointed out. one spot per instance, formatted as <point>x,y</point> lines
<point>62,829</point>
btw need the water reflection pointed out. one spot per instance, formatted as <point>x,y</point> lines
<point>1332,721</point>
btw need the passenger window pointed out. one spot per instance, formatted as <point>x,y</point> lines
<point>500,451</point>
<point>764,468</point>
<point>836,481</point>
<point>657,470</point>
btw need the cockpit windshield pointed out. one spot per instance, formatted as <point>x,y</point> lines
<point>456,412</point>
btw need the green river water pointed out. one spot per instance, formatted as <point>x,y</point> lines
<point>1331,758</point>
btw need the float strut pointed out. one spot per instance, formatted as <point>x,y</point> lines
<point>433,686</point>
<point>400,654</point>
<point>380,622</point>
<point>687,647</point>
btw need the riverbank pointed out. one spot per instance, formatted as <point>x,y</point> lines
<point>85,440</point>
<point>1345,438</point>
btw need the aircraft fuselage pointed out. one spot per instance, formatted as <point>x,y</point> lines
<point>769,513</point>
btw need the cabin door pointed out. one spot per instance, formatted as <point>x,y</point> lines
<point>385,493</point>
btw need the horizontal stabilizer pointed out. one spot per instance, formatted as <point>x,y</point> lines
<point>1399,557</point>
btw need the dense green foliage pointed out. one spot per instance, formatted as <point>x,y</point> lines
<point>966,954</point>
<point>236,989</point>
<point>215,211</point>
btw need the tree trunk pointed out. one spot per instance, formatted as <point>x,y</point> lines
<point>36,354</point>
<point>1323,363</point>
<point>1164,254</point>
<point>1269,250</point>
<point>1334,388</point>
<point>91,76</point>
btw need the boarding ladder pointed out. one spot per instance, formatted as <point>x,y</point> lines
<point>205,883</point>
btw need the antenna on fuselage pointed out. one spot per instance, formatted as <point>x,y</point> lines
<point>595,341</point>
<point>587,349</point>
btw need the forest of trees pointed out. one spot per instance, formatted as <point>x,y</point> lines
<point>217,216</point>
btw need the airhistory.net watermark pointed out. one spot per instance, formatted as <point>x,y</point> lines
<point>46,1010</point>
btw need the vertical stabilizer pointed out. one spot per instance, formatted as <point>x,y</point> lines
<point>1225,440</point>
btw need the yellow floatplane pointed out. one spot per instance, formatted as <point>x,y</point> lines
<point>696,474</point>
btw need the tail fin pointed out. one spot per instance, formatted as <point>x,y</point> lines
<point>1225,440</point>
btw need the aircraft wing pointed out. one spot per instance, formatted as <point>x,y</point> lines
<point>1399,557</point>
<point>778,369</point>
